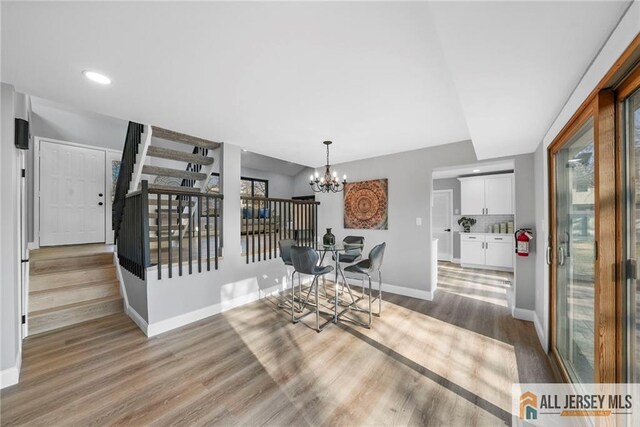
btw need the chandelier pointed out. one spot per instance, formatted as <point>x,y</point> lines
<point>329,182</point>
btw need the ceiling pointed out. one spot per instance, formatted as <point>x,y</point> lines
<point>280,78</point>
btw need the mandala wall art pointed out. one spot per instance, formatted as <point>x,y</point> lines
<point>366,205</point>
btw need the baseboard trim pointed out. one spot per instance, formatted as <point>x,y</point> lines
<point>137,319</point>
<point>32,246</point>
<point>540,331</point>
<point>523,314</point>
<point>455,260</point>
<point>11,376</point>
<point>166,325</point>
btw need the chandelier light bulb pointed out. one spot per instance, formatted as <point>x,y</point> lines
<point>335,174</point>
<point>310,177</point>
<point>317,174</point>
<point>344,177</point>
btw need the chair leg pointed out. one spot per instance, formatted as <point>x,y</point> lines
<point>315,279</point>
<point>370,319</point>
<point>379,293</point>
<point>353,300</point>
<point>293,298</point>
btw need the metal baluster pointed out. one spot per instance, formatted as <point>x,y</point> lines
<point>199,234</point>
<point>208,236</point>
<point>169,238</point>
<point>190,229</point>
<point>158,228</point>
<point>246,229</point>
<point>253,230</point>
<point>179,235</point>
<point>215,232</point>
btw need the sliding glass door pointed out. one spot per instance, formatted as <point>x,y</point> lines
<point>575,234</point>
<point>574,269</point>
<point>630,108</point>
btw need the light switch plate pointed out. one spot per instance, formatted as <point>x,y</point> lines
<point>418,221</point>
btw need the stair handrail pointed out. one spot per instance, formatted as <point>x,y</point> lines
<point>127,163</point>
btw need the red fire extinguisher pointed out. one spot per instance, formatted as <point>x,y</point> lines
<point>523,236</point>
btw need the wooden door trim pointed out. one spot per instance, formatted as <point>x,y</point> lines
<point>605,239</point>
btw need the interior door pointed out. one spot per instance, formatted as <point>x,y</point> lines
<point>442,217</point>
<point>72,194</point>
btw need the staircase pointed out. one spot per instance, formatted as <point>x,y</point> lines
<point>71,284</point>
<point>179,163</point>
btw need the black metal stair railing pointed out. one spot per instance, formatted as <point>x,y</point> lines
<point>265,221</point>
<point>129,153</point>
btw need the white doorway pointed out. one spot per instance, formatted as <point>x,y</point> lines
<point>442,218</point>
<point>72,194</point>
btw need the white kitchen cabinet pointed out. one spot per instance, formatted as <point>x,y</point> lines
<point>486,250</point>
<point>472,199</point>
<point>472,249</point>
<point>498,195</point>
<point>499,252</point>
<point>487,195</point>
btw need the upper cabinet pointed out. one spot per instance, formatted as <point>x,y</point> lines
<point>487,195</point>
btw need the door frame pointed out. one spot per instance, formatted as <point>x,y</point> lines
<point>36,182</point>
<point>450,191</point>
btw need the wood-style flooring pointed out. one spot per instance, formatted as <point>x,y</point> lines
<point>448,362</point>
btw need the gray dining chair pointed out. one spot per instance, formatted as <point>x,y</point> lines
<point>353,253</point>
<point>305,261</point>
<point>369,266</point>
<point>285,254</point>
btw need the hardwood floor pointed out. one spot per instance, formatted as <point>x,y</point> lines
<point>446,362</point>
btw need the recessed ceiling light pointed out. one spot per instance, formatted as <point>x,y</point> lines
<point>476,170</point>
<point>245,150</point>
<point>97,77</point>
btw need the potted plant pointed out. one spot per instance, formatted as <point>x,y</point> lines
<point>466,223</point>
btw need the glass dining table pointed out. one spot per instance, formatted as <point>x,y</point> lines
<point>335,250</point>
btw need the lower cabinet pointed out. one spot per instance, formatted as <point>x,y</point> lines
<point>486,250</point>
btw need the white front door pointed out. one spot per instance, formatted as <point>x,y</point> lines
<point>72,195</point>
<point>442,216</point>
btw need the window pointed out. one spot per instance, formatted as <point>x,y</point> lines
<point>254,187</point>
<point>250,187</point>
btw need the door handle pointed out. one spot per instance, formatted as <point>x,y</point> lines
<point>99,194</point>
<point>561,256</point>
<point>100,203</point>
<point>549,254</point>
<point>447,229</point>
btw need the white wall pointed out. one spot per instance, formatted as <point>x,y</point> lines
<point>620,39</point>
<point>10,339</point>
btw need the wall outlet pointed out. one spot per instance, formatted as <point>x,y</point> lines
<point>418,221</point>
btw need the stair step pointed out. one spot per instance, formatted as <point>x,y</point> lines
<point>56,297</point>
<point>54,265</point>
<point>189,191</point>
<point>170,135</point>
<point>41,282</point>
<point>181,156</point>
<point>55,318</point>
<point>174,173</point>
